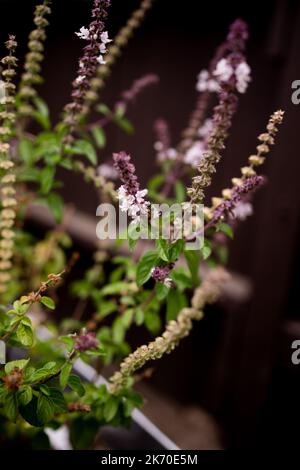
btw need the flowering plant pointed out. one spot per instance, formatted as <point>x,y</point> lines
<point>164,290</point>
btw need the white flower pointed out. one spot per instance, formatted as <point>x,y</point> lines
<point>168,282</point>
<point>134,210</point>
<point>205,82</point>
<point>102,48</point>
<point>194,154</point>
<point>242,74</point>
<point>212,85</point>
<point>104,37</point>
<point>107,171</point>
<point>171,154</point>
<point>140,196</point>
<point>203,77</point>
<point>223,70</point>
<point>126,202</point>
<point>242,210</point>
<point>205,129</point>
<point>158,146</point>
<point>122,192</point>
<point>101,60</point>
<point>83,33</point>
<point>80,79</point>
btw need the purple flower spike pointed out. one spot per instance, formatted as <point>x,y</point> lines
<point>86,341</point>
<point>126,170</point>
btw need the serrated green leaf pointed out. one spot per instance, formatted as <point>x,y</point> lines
<point>20,364</point>
<point>76,385</point>
<point>11,407</point>
<point>48,302</point>
<point>65,374</point>
<point>144,267</point>
<point>225,228</point>
<point>99,136</point>
<point>110,409</point>
<point>25,334</point>
<point>45,408</point>
<point>83,147</point>
<point>25,395</point>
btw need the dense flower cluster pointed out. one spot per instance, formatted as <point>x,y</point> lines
<point>86,341</point>
<point>92,56</point>
<point>34,57</point>
<point>161,274</point>
<point>132,199</point>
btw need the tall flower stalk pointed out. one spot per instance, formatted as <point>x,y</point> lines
<point>233,75</point>
<point>208,82</point>
<point>32,75</point>
<point>97,39</point>
<point>175,331</point>
<point>249,179</point>
<point>7,180</point>
<point>114,51</point>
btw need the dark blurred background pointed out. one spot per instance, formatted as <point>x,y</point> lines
<point>237,363</point>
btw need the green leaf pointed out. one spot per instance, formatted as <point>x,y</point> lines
<point>45,408</point>
<point>155,182</point>
<point>83,147</point>
<point>56,204</point>
<point>76,385</point>
<point>47,178</point>
<point>58,400</point>
<point>20,364</point>
<point>104,109</point>
<point>48,302</point>
<point>99,136</point>
<point>163,249</point>
<point>65,374</point>
<point>161,290</point>
<point>193,261</point>
<point>11,407</point>
<point>180,192</point>
<point>26,151</point>
<point>176,249</point>
<point>139,316</point>
<point>225,228</point>
<point>124,124</point>
<point>118,331</point>
<point>175,302</point>
<point>181,279</point>
<point>153,321</point>
<point>46,371</point>
<point>116,288</point>
<point>127,317</point>
<point>206,249</point>
<point>42,119</point>
<point>144,267</point>
<point>25,334</point>
<point>110,409</point>
<point>25,395</point>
